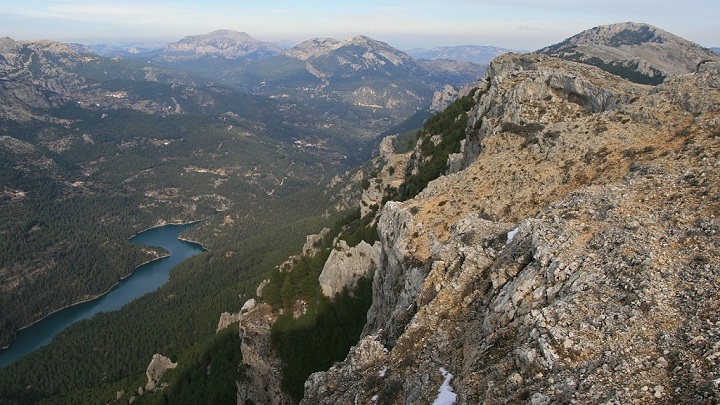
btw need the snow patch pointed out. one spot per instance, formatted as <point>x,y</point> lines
<point>383,371</point>
<point>446,395</point>
<point>374,398</point>
<point>511,235</point>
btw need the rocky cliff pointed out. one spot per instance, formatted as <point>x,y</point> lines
<point>346,265</point>
<point>572,257</point>
<point>261,382</point>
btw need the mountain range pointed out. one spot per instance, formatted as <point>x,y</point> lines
<point>482,55</point>
<point>347,81</point>
<point>358,77</point>
<point>550,236</point>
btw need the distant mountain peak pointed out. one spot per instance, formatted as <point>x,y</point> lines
<point>627,33</point>
<point>636,51</point>
<point>324,46</point>
<point>364,40</point>
<point>224,43</point>
<point>463,53</point>
<point>312,47</point>
<point>227,32</point>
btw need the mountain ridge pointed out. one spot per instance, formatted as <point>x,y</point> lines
<point>481,55</point>
<point>227,44</point>
<point>540,270</point>
<point>543,265</point>
<point>641,52</point>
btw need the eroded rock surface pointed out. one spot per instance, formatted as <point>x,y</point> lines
<point>156,369</point>
<point>573,259</point>
<point>261,383</point>
<point>346,265</point>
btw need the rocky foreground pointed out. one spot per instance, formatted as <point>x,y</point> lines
<point>574,257</point>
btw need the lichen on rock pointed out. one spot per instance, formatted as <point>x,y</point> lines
<point>607,290</point>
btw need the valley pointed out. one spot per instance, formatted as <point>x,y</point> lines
<point>95,149</point>
<point>547,235</point>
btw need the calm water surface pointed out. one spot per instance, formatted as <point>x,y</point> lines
<point>146,278</point>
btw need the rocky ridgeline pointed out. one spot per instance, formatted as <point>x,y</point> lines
<point>572,257</point>
<point>636,51</point>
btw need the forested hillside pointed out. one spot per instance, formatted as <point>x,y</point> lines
<point>94,150</point>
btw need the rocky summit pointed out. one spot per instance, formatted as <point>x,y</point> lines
<point>638,52</point>
<point>570,257</point>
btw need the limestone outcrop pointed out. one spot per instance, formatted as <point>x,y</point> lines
<point>261,383</point>
<point>156,369</point>
<point>227,318</point>
<point>390,170</point>
<point>573,258</point>
<point>346,265</point>
<point>443,98</point>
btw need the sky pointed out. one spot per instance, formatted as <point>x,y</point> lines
<point>404,24</point>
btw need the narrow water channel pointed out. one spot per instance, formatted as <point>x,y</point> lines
<point>146,278</point>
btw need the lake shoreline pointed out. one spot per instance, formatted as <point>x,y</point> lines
<point>115,285</point>
<point>179,237</point>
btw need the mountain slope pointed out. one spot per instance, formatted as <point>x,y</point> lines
<point>638,52</point>
<point>572,257</point>
<point>93,150</point>
<point>358,79</point>
<point>359,86</point>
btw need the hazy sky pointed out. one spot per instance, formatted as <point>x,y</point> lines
<point>404,24</point>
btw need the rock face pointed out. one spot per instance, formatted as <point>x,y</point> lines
<point>443,98</point>
<point>346,265</point>
<point>227,319</point>
<point>639,52</point>
<point>261,384</point>
<point>573,258</point>
<point>157,367</point>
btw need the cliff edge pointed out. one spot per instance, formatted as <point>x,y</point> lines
<point>572,257</point>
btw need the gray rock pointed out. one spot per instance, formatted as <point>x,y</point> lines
<point>609,282</point>
<point>346,265</point>
<point>227,319</point>
<point>156,369</point>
